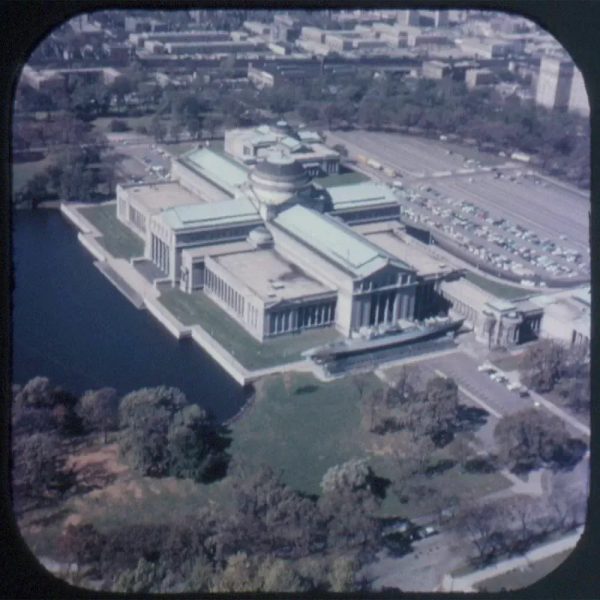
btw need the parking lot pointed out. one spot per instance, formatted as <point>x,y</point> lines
<point>492,235</point>
<point>142,159</point>
<point>527,200</point>
<point>499,210</point>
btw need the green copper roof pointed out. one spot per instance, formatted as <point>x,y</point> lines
<point>210,215</point>
<point>216,167</point>
<point>359,195</point>
<point>336,241</point>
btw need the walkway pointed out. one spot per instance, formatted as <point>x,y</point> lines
<point>468,583</point>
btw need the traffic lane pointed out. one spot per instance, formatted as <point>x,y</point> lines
<point>463,369</point>
<point>408,155</point>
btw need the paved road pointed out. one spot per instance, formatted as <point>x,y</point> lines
<point>469,582</point>
<point>421,570</point>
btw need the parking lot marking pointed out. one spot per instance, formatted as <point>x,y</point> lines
<point>472,396</point>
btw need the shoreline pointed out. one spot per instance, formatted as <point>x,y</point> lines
<point>144,296</point>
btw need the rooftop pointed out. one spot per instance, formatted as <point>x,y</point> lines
<point>229,212</point>
<point>334,240</point>
<point>216,167</point>
<point>270,276</point>
<point>363,194</point>
<point>161,196</point>
<point>422,262</point>
<point>216,249</point>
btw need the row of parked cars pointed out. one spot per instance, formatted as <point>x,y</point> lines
<point>499,376</point>
<point>500,242</point>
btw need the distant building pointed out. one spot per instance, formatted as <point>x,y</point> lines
<point>476,77</point>
<point>567,315</point>
<point>435,69</point>
<point>409,17</point>
<point>496,322</point>
<point>284,28</point>
<point>554,82</point>
<point>489,48</point>
<point>578,98</point>
<point>306,147</point>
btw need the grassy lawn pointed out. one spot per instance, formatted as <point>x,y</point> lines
<point>22,172</point>
<point>303,432</point>
<point>116,238</point>
<point>314,426</point>
<point>196,308</point>
<point>517,578</point>
<point>502,290</point>
<point>341,179</point>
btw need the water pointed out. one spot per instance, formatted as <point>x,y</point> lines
<point>70,324</point>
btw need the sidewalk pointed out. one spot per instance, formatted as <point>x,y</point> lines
<point>468,583</point>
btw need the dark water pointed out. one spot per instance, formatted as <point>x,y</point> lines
<point>70,324</point>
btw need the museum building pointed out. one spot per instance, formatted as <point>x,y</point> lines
<point>279,252</point>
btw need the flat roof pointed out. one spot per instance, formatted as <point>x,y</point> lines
<point>422,262</point>
<point>335,240</point>
<point>229,212</point>
<point>270,276</point>
<point>215,249</point>
<point>362,194</point>
<point>216,167</point>
<point>161,196</point>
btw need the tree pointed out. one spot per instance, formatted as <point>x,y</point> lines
<point>531,438</point>
<point>542,365</point>
<point>482,526</point>
<point>99,411</point>
<point>442,400</point>
<point>348,504</point>
<point>157,129</point>
<point>118,125</point>
<point>38,473</point>
<point>163,435</point>
<point>34,191</point>
<point>267,517</point>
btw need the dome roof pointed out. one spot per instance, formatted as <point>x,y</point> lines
<point>278,178</point>
<point>280,167</point>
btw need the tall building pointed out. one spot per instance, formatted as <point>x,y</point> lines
<point>578,98</point>
<point>554,82</point>
<point>409,18</point>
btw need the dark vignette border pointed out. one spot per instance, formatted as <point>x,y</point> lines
<point>23,25</point>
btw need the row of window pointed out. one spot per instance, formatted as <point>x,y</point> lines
<point>224,292</point>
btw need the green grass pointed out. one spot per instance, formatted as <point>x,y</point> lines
<point>517,579</point>
<point>314,426</point>
<point>116,238</point>
<point>501,290</point>
<point>303,432</point>
<point>196,308</point>
<point>341,179</point>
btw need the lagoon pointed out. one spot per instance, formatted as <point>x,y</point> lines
<point>72,325</point>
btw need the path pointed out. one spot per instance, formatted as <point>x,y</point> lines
<point>468,583</point>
